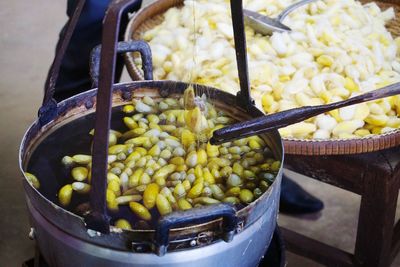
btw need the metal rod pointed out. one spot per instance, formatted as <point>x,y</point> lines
<point>48,110</point>
<point>290,8</point>
<point>243,97</point>
<point>291,116</point>
<point>98,219</point>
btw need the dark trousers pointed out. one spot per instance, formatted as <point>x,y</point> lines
<point>74,75</point>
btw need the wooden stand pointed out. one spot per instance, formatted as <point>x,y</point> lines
<point>376,177</point>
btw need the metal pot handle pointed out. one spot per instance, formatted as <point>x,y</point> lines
<point>123,47</point>
<point>48,111</point>
<point>98,219</point>
<point>195,216</point>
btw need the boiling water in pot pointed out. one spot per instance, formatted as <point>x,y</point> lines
<point>70,139</point>
<point>238,171</point>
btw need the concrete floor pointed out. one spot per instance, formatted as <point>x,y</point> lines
<point>29,31</point>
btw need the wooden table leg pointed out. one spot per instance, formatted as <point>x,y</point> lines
<point>376,177</point>
<point>376,217</point>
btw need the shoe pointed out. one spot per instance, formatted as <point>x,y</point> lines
<point>295,200</point>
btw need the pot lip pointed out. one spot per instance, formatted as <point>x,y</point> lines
<point>77,101</point>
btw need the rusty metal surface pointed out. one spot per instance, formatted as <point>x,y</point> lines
<point>198,215</point>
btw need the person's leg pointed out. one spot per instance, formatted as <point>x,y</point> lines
<point>295,200</point>
<point>74,75</point>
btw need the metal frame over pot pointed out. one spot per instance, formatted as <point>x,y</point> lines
<point>194,236</point>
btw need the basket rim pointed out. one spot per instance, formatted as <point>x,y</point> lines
<point>292,146</point>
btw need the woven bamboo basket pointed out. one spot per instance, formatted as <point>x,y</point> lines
<point>152,15</point>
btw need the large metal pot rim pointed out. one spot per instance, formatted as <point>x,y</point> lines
<point>83,104</point>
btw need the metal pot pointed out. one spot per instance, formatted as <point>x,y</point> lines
<point>216,235</point>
